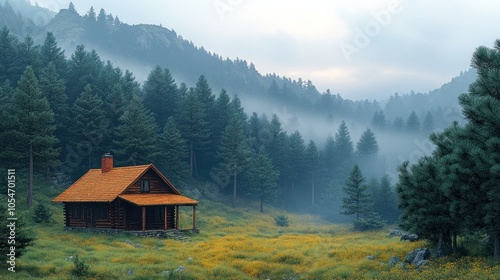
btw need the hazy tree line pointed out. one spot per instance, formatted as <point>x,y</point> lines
<point>456,192</point>
<point>61,114</point>
<point>100,28</point>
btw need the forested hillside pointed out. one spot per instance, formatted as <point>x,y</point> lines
<point>222,126</point>
<point>63,114</point>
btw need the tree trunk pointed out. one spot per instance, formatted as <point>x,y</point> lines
<point>312,191</point>
<point>261,204</point>
<point>234,188</point>
<point>30,178</point>
<point>191,160</point>
<point>454,243</point>
<point>440,244</point>
<point>496,245</point>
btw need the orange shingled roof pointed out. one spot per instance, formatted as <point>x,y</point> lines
<point>96,186</point>
<point>158,199</point>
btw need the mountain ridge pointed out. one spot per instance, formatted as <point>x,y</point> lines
<point>141,47</point>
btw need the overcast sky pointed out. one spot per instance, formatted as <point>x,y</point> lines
<point>360,49</point>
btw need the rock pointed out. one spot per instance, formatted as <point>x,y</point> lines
<point>190,259</point>
<point>410,237</point>
<point>421,263</point>
<point>372,258</point>
<point>418,257</point>
<point>165,273</point>
<point>128,241</point>
<point>161,243</point>
<point>422,255</point>
<point>180,269</point>
<point>395,232</point>
<point>130,272</point>
<point>137,245</point>
<point>393,261</point>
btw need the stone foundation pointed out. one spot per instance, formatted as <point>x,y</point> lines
<point>173,233</point>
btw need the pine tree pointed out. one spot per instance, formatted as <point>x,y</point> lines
<point>160,94</point>
<point>137,136</point>
<point>24,235</point>
<point>29,54</point>
<point>255,130</point>
<point>358,202</point>
<point>115,103</point>
<point>385,203</point>
<point>174,152</point>
<point>233,151</point>
<point>446,155</point>
<point>236,107</point>
<point>425,207</point>
<point>329,157</point>
<point>101,18</point>
<point>205,95</point>
<point>10,67</point>
<point>222,113</point>
<point>428,125</point>
<point>367,154</point>
<point>472,168</point>
<point>379,120</point>
<point>367,147</point>
<point>79,73</point>
<point>413,122</point>
<point>276,146</point>
<point>7,127</point>
<point>398,124</point>
<point>312,166</point>
<point>91,15</point>
<point>89,130</point>
<point>53,88</point>
<point>344,151</point>
<point>193,127</point>
<point>207,100</point>
<point>35,121</point>
<point>50,52</point>
<point>295,150</point>
<point>263,183</point>
<point>71,7</point>
<point>107,78</point>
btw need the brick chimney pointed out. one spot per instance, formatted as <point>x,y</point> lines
<point>106,162</point>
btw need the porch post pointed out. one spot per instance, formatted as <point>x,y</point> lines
<point>165,212</point>
<point>177,217</point>
<point>143,218</point>
<point>194,216</point>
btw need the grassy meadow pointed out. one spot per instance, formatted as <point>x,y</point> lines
<point>236,243</point>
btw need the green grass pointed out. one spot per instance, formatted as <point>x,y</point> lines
<point>236,243</point>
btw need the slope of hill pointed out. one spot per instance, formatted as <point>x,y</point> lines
<point>141,47</point>
<point>37,15</point>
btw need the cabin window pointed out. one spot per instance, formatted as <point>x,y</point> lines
<point>158,213</point>
<point>77,211</point>
<point>102,212</point>
<point>144,185</point>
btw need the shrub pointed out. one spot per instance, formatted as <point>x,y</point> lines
<point>42,214</point>
<point>281,220</point>
<point>369,223</point>
<point>81,268</point>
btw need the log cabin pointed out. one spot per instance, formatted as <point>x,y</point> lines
<point>132,198</point>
